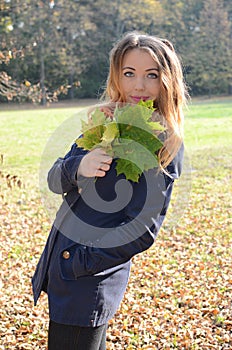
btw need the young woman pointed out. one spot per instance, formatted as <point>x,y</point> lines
<point>85,265</point>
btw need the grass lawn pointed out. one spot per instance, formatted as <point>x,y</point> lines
<point>24,133</point>
<point>179,295</point>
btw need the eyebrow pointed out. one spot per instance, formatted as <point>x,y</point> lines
<point>147,70</point>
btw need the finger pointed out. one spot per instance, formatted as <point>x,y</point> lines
<point>99,152</point>
<point>102,155</point>
<point>104,166</point>
<point>108,112</point>
<point>100,173</point>
<point>107,160</point>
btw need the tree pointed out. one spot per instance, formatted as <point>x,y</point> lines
<point>210,62</point>
<point>107,21</point>
<point>46,33</point>
<point>49,46</point>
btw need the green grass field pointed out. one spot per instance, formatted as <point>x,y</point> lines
<point>179,295</point>
<point>24,133</point>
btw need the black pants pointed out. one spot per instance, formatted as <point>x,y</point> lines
<point>65,337</point>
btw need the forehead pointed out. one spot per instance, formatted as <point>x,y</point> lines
<point>139,58</point>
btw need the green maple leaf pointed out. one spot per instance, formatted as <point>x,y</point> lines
<point>129,137</point>
<point>139,157</point>
<point>147,104</point>
<point>156,126</point>
<point>130,170</point>
<point>135,125</point>
<point>134,115</point>
<point>92,131</point>
<point>111,132</point>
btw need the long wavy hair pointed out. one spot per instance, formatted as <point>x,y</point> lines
<point>173,92</point>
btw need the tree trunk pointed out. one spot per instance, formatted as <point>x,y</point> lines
<point>70,83</point>
<point>230,88</point>
<point>42,75</point>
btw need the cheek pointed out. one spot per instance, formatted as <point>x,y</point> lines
<point>155,88</point>
<point>125,86</point>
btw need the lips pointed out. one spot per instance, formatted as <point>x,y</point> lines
<point>138,98</point>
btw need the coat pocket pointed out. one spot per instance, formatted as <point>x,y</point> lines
<point>76,261</point>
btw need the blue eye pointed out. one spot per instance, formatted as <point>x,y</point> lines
<point>128,74</point>
<point>152,76</point>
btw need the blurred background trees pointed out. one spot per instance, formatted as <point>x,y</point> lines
<point>59,49</point>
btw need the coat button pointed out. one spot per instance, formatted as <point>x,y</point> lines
<point>66,254</point>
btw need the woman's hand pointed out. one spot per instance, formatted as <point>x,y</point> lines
<point>94,163</point>
<point>108,110</point>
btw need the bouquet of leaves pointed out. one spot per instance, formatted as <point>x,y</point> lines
<point>130,137</point>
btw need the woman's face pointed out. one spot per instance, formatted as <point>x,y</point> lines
<point>140,77</point>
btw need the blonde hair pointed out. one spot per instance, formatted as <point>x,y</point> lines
<point>172,95</point>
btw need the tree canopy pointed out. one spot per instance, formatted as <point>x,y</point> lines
<point>60,48</point>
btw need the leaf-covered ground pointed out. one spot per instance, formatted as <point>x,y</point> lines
<point>180,291</point>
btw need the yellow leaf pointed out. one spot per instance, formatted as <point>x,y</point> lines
<point>27,83</point>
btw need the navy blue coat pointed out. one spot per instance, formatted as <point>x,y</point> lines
<point>85,265</point>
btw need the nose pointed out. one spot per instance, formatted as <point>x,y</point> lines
<point>139,84</point>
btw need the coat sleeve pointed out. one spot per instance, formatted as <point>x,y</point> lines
<point>136,234</point>
<point>62,176</point>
